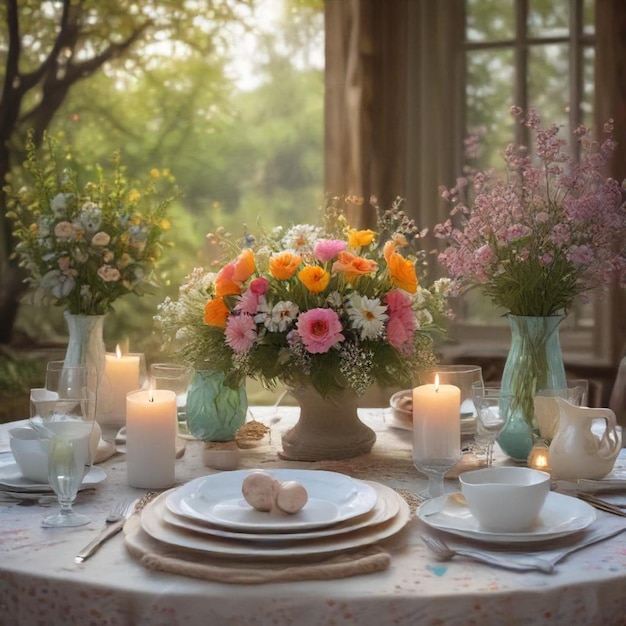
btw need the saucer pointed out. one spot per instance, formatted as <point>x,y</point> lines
<point>11,479</point>
<point>560,516</point>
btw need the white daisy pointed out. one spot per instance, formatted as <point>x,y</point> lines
<point>282,315</point>
<point>367,314</point>
<point>301,238</point>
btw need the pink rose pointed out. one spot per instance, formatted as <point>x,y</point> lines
<point>320,330</point>
<point>399,336</point>
<point>327,249</point>
<point>259,286</point>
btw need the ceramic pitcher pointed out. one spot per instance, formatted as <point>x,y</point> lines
<point>577,451</point>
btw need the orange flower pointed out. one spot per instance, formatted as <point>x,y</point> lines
<point>244,266</point>
<point>216,312</point>
<point>401,270</point>
<point>352,265</point>
<point>360,238</point>
<point>314,278</point>
<point>284,265</point>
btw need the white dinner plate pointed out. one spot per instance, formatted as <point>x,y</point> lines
<point>386,508</point>
<point>152,523</point>
<point>332,498</point>
<point>561,515</point>
<point>11,479</point>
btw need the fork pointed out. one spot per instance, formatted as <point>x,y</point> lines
<point>520,562</point>
<point>111,525</point>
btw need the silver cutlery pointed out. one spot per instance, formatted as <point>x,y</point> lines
<point>112,525</point>
<point>521,562</point>
<point>602,505</point>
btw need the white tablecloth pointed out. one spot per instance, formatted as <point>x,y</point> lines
<point>41,584</point>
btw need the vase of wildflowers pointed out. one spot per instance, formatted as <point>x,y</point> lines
<point>549,230</point>
<point>326,310</point>
<point>86,245</point>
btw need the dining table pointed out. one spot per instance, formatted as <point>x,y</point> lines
<point>40,582</point>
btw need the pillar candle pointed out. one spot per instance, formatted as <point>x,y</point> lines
<point>437,421</point>
<point>121,375</point>
<point>151,427</point>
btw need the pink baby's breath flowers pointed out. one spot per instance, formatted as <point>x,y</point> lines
<point>548,230</point>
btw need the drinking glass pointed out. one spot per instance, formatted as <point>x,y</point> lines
<point>64,425</point>
<point>175,377</point>
<point>436,434</point>
<point>492,406</point>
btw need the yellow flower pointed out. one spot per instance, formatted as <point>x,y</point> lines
<point>401,270</point>
<point>164,224</point>
<point>314,278</point>
<point>154,172</point>
<point>33,229</point>
<point>360,238</point>
<point>284,265</point>
<point>134,195</point>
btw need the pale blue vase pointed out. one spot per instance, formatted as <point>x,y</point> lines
<point>534,362</point>
<point>215,412</point>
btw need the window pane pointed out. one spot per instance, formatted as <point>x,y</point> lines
<point>489,21</point>
<point>548,84</point>
<point>586,105</point>
<point>589,17</point>
<point>547,18</point>
<point>489,96</point>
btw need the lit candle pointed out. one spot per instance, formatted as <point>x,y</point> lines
<point>151,427</point>
<point>539,457</point>
<point>121,375</point>
<point>437,421</point>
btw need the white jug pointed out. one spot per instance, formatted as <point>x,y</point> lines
<point>578,452</point>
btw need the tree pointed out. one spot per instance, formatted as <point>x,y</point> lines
<point>50,46</point>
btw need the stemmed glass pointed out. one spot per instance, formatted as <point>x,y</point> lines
<point>64,424</point>
<point>493,407</point>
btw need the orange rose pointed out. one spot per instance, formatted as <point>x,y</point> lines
<point>284,265</point>
<point>216,312</point>
<point>224,283</point>
<point>314,278</point>
<point>360,238</point>
<point>401,270</point>
<point>352,265</point>
<point>244,266</point>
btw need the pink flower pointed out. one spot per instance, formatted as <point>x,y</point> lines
<point>398,299</point>
<point>327,249</point>
<point>399,335</point>
<point>109,274</point>
<point>240,333</point>
<point>320,330</point>
<point>259,286</point>
<point>248,303</point>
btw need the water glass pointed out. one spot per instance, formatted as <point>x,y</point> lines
<point>493,407</point>
<point>65,424</point>
<point>175,377</point>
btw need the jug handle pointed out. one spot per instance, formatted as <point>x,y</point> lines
<point>610,435</point>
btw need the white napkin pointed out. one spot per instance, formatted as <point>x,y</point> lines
<point>605,527</point>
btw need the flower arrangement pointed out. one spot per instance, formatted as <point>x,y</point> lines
<point>84,246</point>
<point>548,231</point>
<point>330,305</point>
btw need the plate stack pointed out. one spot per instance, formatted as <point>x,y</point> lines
<point>209,517</point>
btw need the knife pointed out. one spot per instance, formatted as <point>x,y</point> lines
<point>113,528</point>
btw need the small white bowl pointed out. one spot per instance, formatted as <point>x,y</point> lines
<point>401,404</point>
<point>505,499</point>
<point>31,454</point>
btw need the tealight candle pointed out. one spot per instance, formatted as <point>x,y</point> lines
<point>121,375</point>
<point>437,421</point>
<point>539,457</point>
<point>151,427</point>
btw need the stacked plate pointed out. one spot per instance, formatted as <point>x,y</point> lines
<point>209,515</point>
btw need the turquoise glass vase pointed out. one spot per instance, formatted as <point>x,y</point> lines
<point>215,411</point>
<point>534,362</point>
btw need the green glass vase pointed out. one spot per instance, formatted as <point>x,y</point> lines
<point>534,362</point>
<point>215,412</point>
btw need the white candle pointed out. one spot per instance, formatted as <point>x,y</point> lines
<point>121,375</point>
<point>437,421</point>
<point>151,427</point>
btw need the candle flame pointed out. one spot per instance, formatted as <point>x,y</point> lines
<point>437,382</point>
<point>118,351</point>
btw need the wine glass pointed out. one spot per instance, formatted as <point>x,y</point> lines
<point>175,377</point>
<point>64,424</point>
<point>493,407</point>
<point>436,433</point>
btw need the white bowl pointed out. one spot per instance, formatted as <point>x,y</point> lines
<point>31,454</point>
<point>505,499</point>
